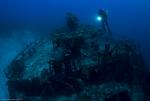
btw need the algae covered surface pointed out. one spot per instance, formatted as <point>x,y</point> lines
<point>81,63</point>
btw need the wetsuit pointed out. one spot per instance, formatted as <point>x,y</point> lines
<point>104,16</point>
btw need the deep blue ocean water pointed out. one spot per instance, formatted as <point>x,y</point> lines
<point>127,18</point>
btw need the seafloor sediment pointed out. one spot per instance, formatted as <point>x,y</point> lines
<point>80,65</point>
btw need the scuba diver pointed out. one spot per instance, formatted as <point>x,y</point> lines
<point>102,16</point>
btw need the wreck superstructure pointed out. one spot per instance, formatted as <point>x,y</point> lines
<point>79,65</point>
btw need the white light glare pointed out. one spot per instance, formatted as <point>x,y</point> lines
<point>99,18</point>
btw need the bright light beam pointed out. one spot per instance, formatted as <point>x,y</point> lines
<point>99,18</point>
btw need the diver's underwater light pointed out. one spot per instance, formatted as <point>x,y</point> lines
<point>99,18</point>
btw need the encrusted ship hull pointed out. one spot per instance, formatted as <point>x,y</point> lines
<point>81,65</point>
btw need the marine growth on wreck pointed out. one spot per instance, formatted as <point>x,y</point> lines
<point>79,63</point>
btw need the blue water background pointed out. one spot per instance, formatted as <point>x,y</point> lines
<point>127,18</point>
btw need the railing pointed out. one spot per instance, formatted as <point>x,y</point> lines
<point>29,49</point>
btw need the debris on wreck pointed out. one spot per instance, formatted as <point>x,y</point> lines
<point>79,65</point>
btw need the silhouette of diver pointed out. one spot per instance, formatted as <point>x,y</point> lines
<point>105,26</point>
